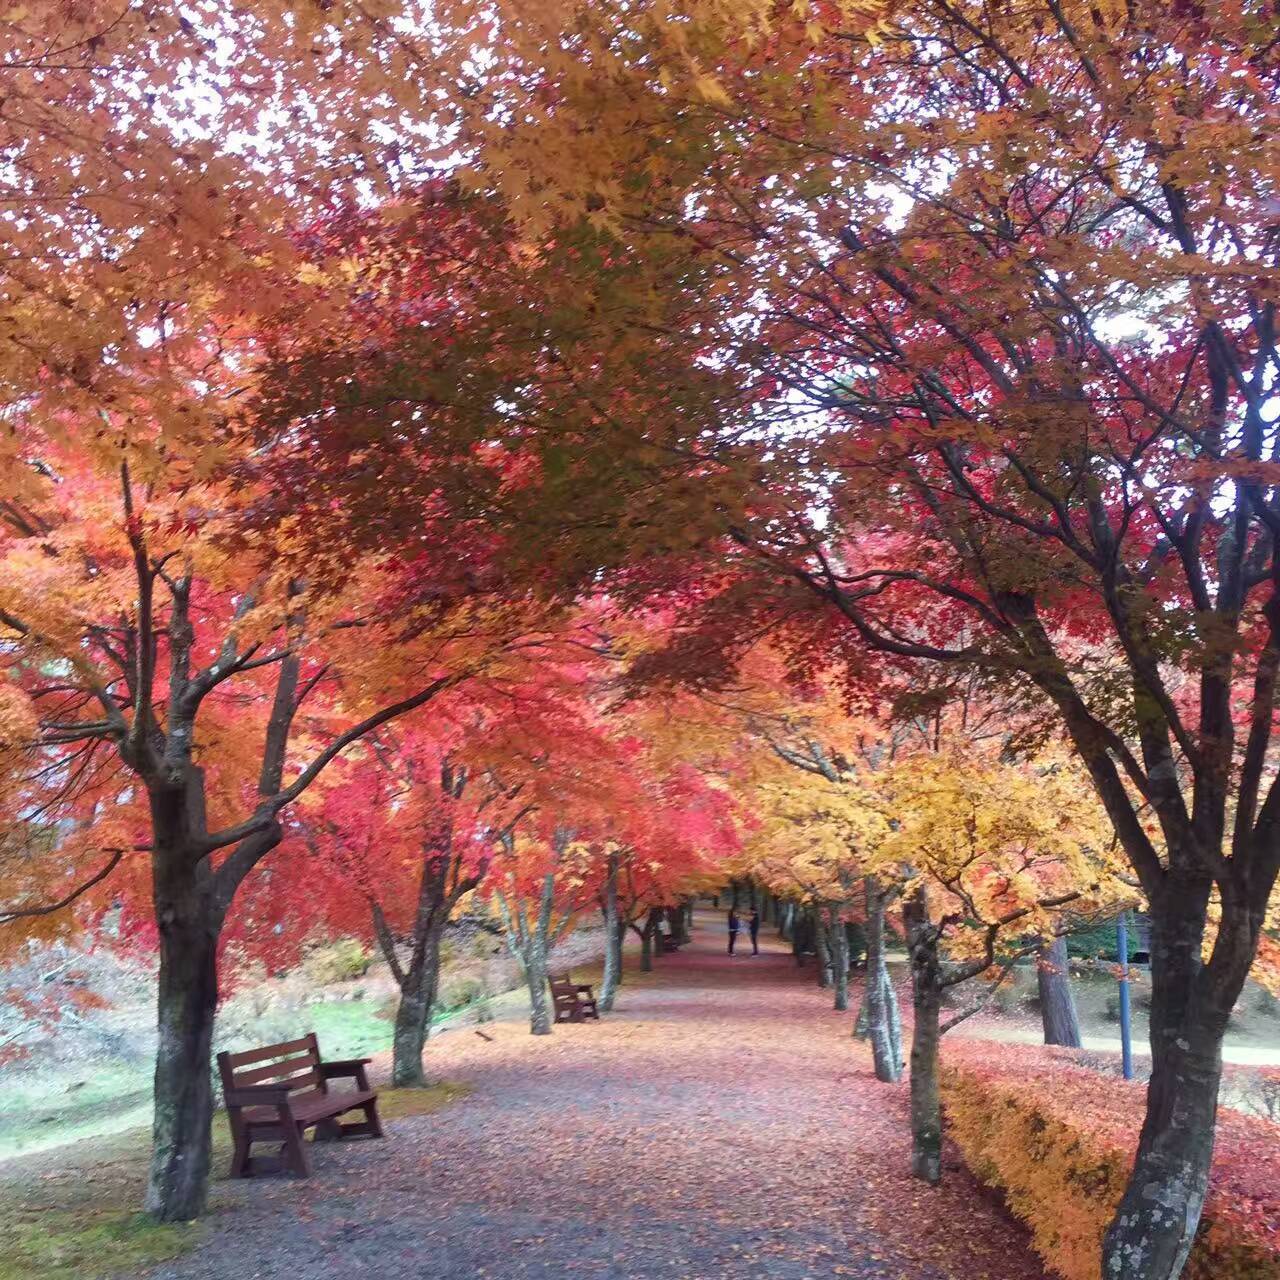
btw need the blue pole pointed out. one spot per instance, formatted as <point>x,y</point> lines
<point>1126,1026</point>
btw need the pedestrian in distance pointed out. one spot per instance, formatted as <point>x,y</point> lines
<point>734,925</point>
<point>753,926</point>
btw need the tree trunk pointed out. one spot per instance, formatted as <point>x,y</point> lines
<point>675,921</point>
<point>539,1002</point>
<point>926,1111</point>
<point>189,921</point>
<point>409,1039</point>
<point>1152,1232</point>
<point>839,945</point>
<point>646,948</point>
<point>612,942</point>
<point>786,921</point>
<point>879,1018</point>
<point>821,948</point>
<point>799,935</point>
<point>894,1023</point>
<point>413,1014</point>
<point>1057,1003</point>
<point>926,980</point>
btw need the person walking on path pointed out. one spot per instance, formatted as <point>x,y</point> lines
<point>754,926</point>
<point>734,925</point>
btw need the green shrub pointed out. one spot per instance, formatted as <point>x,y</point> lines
<point>1101,942</point>
<point>337,961</point>
<point>456,993</point>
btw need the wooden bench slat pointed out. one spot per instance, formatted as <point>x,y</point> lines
<point>290,1066</point>
<point>309,1079</point>
<point>269,1051</point>
<point>308,1110</point>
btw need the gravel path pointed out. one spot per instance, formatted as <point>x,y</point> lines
<point>720,1123</point>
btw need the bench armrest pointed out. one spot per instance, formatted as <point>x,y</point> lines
<point>584,987</point>
<point>344,1068</point>
<point>257,1095</point>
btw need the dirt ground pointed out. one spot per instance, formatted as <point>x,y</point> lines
<point>720,1123</point>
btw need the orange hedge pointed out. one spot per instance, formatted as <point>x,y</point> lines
<point>1058,1140</point>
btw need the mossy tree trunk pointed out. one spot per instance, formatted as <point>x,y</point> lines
<point>187,1001</point>
<point>926,978</point>
<point>612,937</point>
<point>1154,1227</point>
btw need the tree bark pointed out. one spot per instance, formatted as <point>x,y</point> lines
<point>190,922</point>
<point>676,923</point>
<point>839,947</point>
<point>530,943</point>
<point>413,1013</point>
<point>894,1023</point>
<point>926,1110</point>
<point>785,918</point>
<point>612,942</point>
<point>800,934</point>
<point>1152,1232</point>
<point>926,978</point>
<point>822,948</point>
<point>647,935</point>
<point>539,1002</point>
<point>1057,1003</point>
<point>409,1039</point>
<point>880,1001</point>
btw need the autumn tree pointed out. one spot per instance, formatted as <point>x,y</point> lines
<point>992,857</point>
<point>538,888</point>
<point>412,826</point>
<point>210,688</point>
<point>1009,267</point>
<point>406,830</point>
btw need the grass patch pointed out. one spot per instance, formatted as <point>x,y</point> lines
<point>395,1104</point>
<point>348,1028</point>
<point>79,1244</point>
<point>82,1222</point>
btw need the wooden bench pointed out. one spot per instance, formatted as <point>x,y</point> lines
<point>572,1001</point>
<point>276,1093</point>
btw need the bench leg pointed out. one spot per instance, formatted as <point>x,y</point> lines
<point>327,1131</point>
<point>240,1162</point>
<point>295,1154</point>
<point>372,1122</point>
